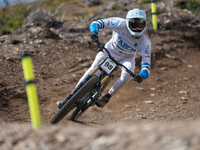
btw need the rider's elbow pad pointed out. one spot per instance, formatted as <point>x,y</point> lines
<point>94,27</point>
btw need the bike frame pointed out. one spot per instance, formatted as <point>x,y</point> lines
<point>89,90</point>
<point>104,79</point>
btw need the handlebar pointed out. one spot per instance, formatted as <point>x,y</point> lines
<point>101,48</point>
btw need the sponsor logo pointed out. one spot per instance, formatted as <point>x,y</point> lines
<point>114,21</point>
<point>125,45</point>
<point>147,51</point>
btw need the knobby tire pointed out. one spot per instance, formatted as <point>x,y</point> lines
<point>78,112</point>
<point>75,115</point>
<point>70,103</point>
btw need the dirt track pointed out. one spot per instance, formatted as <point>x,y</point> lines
<point>165,107</point>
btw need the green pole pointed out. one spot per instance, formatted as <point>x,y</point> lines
<point>31,90</point>
<point>153,13</point>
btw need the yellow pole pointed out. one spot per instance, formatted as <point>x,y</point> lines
<point>31,90</point>
<point>153,13</point>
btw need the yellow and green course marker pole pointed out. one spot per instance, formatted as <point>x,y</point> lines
<point>153,13</point>
<point>31,90</point>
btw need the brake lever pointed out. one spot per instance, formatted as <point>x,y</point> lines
<point>100,46</point>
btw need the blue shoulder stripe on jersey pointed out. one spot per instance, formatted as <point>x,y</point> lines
<point>102,23</point>
<point>144,73</point>
<point>146,64</point>
<point>94,28</point>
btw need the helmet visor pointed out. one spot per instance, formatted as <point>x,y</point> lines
<point>136,24</point>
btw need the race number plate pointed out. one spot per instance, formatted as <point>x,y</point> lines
<point>108,66</point>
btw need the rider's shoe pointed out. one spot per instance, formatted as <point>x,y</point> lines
<point>60,104</point>
<point>103,101</point>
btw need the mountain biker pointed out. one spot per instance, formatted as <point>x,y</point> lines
<point>128,37</point>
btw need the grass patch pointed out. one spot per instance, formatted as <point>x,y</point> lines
<point>12,17</point>
<point>191,5</point>
<point>143,1</point>
<point>117,6</point>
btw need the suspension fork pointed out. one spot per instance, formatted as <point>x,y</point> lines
<point>106,78</point>
<point>96,68</point>
<point>105,81</point>
<point>87,78</point>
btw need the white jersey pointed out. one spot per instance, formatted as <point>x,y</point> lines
<point>123,48</point>
<point>122,43</point>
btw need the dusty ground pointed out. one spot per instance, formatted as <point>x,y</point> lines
<point>160,113</point>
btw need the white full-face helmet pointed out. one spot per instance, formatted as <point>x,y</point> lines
<point>136,22</point>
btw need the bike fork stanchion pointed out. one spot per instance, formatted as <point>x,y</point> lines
<point>31,90</point>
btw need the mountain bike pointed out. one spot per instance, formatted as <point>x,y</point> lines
<point>89,90</point>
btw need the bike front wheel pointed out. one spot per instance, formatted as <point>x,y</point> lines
<point>69,105</point>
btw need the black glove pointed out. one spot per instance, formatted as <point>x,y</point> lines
<point>100,46</point>
<point>94,37</point>
<point>138,78</point>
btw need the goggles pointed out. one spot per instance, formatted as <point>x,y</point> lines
<point>136,24</point>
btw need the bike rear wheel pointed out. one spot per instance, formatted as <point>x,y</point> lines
<point>76,114</point>
<point>69,105</point>
<point>79,111</point>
